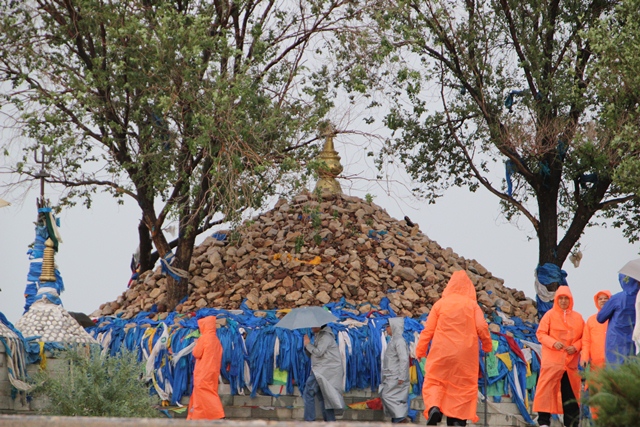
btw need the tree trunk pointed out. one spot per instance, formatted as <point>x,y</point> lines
<point>178,289</point>
<point>548,229</point>
<point>146,246</point>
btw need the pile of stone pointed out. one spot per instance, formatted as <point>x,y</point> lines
<point>52,323</point>
<point>312,251</point>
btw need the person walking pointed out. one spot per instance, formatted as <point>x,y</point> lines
<point>592,357</point>
<point>205,403</point>
<point>620,311</point>
<point>395,373</point>
<point>451,372</point>
<point>325,380</point>
<point>560,333</point>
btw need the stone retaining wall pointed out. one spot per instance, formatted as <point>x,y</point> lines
<point>239,407</point>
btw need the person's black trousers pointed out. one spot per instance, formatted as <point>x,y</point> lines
<point>570,406</point>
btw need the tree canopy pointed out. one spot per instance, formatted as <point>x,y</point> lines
<point>195,109</point>
<point>615,41</point>
<point>508,87</point>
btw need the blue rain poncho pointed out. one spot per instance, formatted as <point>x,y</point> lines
<point>620,311</point>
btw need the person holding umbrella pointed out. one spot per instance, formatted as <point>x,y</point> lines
<point>325,380</point>
<point>395,373</point>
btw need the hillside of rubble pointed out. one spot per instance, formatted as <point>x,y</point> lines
<point>311,251</point>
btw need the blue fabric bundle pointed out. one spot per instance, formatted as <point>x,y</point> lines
<point>250,342</point>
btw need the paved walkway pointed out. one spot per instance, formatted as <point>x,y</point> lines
<point>45,421</point>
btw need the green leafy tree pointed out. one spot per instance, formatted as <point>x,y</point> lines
<point>615,41</point>
<point>94,385</point>
<point>195,109</point>
<point>484,87</point>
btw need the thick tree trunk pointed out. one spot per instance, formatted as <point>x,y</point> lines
<point>178,289</point>
<point>548,229</point>
<point>146,246</point>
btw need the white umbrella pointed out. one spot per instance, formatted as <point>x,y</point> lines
<point>306,317</point>
<point>631,269</point>
<point>4,203</point>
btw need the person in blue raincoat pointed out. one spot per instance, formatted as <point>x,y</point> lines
<point>395,373</point>
<point>620,311</point>
<point>325,382</point>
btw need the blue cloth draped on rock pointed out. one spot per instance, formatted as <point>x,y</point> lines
<point>253,348</point>
<point>545,275</point>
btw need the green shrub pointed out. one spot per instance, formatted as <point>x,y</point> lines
<point>93,385</point>
<point>616,394</point>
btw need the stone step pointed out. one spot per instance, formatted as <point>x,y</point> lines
<point>291,407</point>
<point>282,414</point>
<point>297,414</point>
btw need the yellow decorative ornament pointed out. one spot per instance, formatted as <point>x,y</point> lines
<point>331,167</point>
<point>48,265</point>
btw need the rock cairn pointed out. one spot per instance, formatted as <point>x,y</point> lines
<point>311,251</point>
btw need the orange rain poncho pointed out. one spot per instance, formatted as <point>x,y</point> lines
<point>593,343</point>
<point>593,337</point>
<point>451,372</point>
<point>565,326</point>
<point>205,403</point>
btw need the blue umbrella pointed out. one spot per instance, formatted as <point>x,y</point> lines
<point>306,317</point>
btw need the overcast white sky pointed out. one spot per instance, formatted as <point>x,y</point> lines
<point>98,243</point>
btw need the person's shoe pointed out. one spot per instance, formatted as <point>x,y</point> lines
<point>435,416</point>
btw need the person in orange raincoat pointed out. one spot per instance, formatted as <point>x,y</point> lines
<point>593,339</point>
<point>205,402</point>
<point>558,389</point>
<point>451,372</point>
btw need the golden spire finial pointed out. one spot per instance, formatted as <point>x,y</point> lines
<point>48,265</point>
<point>331,167</point>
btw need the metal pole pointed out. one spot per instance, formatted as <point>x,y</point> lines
<point>484,374</point>
<point>42,174</point>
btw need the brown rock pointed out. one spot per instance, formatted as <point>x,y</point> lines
<point>268,270</point>
<point>323,297</point>
<point>287,282</point>
<point>293,296</point>
<point>270,285</point>
<point>411,295</point>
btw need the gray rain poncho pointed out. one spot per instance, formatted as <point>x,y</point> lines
<point>395,367</point>
<point>326,365</point>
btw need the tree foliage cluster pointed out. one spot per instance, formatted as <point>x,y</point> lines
<point>484,90</point>
<point>615,393</point>
<point>200,109</point>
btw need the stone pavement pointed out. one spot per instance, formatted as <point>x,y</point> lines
<point>43,421</point>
